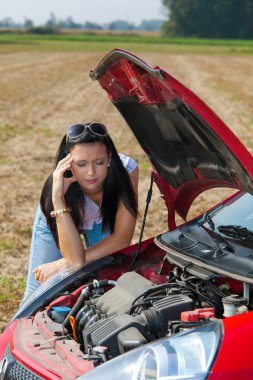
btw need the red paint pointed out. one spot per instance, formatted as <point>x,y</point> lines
<point>5,338</point>
<point>234,360</point>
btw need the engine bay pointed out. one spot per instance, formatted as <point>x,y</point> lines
<point>133,312</point>
<point>125,310</point>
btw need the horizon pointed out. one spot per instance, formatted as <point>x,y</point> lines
<point>81,11</point>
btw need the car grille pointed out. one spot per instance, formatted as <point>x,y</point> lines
<point>16,371</point>
<point>184,243</point>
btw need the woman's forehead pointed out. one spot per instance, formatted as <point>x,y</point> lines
<point>88,151</point>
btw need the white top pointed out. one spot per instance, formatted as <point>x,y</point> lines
<point>92,210</point>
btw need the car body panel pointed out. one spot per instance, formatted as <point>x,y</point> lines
<point>189,146</point>
<point>234,360</point>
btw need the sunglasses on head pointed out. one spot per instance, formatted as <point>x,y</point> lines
<point>79,130</point>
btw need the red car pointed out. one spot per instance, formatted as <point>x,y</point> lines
<point>176,306</point>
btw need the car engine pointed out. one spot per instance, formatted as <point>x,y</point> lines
<point>135,311</point>
<point>117,321</point>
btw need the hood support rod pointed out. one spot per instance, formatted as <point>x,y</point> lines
<point>148,200</point>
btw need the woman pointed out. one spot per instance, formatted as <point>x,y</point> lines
<point>92,191</point>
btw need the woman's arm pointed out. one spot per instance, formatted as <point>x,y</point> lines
<point>71,245</point>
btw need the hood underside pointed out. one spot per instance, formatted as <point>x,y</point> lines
<point>190,148</point>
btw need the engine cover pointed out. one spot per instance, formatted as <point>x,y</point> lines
<point>119,299</point>
<point>151,324</point>
<point>107,321</point>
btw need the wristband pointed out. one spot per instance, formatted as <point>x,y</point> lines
<point>56,213</point>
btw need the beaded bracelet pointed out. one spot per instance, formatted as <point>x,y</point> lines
<point>56,213</point>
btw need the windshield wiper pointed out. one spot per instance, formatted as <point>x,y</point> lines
<point>237,232</point>
<point>220,241</point>
<point>207,219</point>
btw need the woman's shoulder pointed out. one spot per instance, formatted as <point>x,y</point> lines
<point>129,163</point>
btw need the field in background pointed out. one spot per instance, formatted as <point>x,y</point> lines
<point>133,41</point>
<point>45,86</point>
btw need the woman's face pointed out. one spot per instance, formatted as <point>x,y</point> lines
<point>90,165</point>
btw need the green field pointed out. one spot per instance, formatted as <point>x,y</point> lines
<point>133,42</point>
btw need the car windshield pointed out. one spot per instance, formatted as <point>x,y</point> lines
<point>238,212</point>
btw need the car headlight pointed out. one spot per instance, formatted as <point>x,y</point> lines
<point>188,355</point>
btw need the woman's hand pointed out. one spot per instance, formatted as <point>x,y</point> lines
<point>61,183</point>
<point>44,271</point>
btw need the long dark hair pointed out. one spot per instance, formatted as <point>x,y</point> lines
<point>117,186</point>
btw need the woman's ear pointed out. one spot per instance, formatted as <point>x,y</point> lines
<point>109,160</point>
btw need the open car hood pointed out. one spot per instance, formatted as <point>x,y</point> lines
<point>190,148</point>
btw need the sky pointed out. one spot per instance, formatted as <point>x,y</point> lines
<point>99,11</point>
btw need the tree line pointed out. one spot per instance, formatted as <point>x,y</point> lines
<point>209,18</point>
<point>185,18</point>
<point>53,23</point>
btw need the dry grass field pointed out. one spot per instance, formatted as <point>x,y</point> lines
<point>42,92</point>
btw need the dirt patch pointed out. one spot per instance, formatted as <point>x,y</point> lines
<point>42,93</point>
